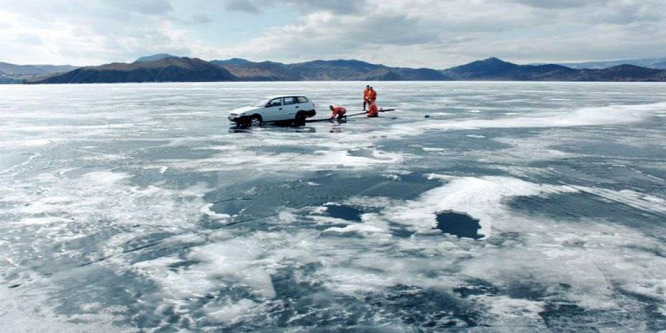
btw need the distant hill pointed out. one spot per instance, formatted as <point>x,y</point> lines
<point>5,79</point>
<point>19,70</point>
<point>496,69</point>
<point>57,68</point>
<point>258,71</point>
<point>235,62</point>
<point>10,73</point>
<point>493,69</point>
<point>155,57</point>
<point>355,70</point>
<point>325,70</point>
<point>164,70</point>
<point>627,73</point>
<point>654,63</point>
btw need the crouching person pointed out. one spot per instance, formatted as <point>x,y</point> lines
<point>337,111</point>
<point>373,111</point>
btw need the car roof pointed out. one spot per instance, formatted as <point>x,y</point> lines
<point>284,95</point>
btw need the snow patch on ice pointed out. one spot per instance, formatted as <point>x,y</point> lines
<point>235,262</point>
<point>361,229</point>
<point>232,312</point>
<point>217,217</point>
<point>44,220</point>
<point>481,198</point>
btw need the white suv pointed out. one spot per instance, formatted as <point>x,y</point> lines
<point>274,109</point>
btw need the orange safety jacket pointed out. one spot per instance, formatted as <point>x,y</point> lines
<point>372,110</point>
<point>366,94</point>
<point>338,110</point>
<point>372,95</point>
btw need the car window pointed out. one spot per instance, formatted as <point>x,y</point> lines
<point>274,102</point>
<point>302,99</point>
<point>290,100</point>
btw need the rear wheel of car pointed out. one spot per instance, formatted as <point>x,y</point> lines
<point>255,121</point>
<point>300,118</point>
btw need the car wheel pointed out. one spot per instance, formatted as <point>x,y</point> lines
<point>255,121</point>
<point>300,118</point>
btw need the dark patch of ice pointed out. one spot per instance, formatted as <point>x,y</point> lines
<point>344,212</point>
<point>460,225</point>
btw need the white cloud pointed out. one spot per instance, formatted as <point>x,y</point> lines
<point>444,33</point>
<point>415,33</point>
<point>258,6</point>
<point>80,32</point>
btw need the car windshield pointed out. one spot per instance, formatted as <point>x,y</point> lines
<point>260,103</point>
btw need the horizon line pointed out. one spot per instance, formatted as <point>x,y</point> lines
<point>343,59</point>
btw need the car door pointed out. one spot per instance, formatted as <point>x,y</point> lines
<point>304,104</point>
<point>272,110</point>
<point>290,107</point>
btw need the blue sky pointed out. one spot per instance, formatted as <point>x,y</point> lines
<point>416,33</point>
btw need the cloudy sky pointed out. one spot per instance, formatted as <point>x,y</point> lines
<point>413,33</point>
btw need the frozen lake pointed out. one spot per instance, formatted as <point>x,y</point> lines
<point>138,208</point>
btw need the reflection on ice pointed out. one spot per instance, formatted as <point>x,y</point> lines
<point>274,128</point>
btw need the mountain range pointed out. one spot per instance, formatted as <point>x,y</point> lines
<point>493,69</point>
<point>168,68</point>
<point>322,70</point>
<point>654,63</point>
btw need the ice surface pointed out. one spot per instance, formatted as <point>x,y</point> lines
<point>590,116</point>
<point>139,208</point>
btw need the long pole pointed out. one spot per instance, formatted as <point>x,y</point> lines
<point>351,115</point>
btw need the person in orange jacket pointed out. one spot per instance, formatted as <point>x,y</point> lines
<point>373,111</point>
<point>366,96</point>
<point>338,111</point>
<point>372,95</point>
